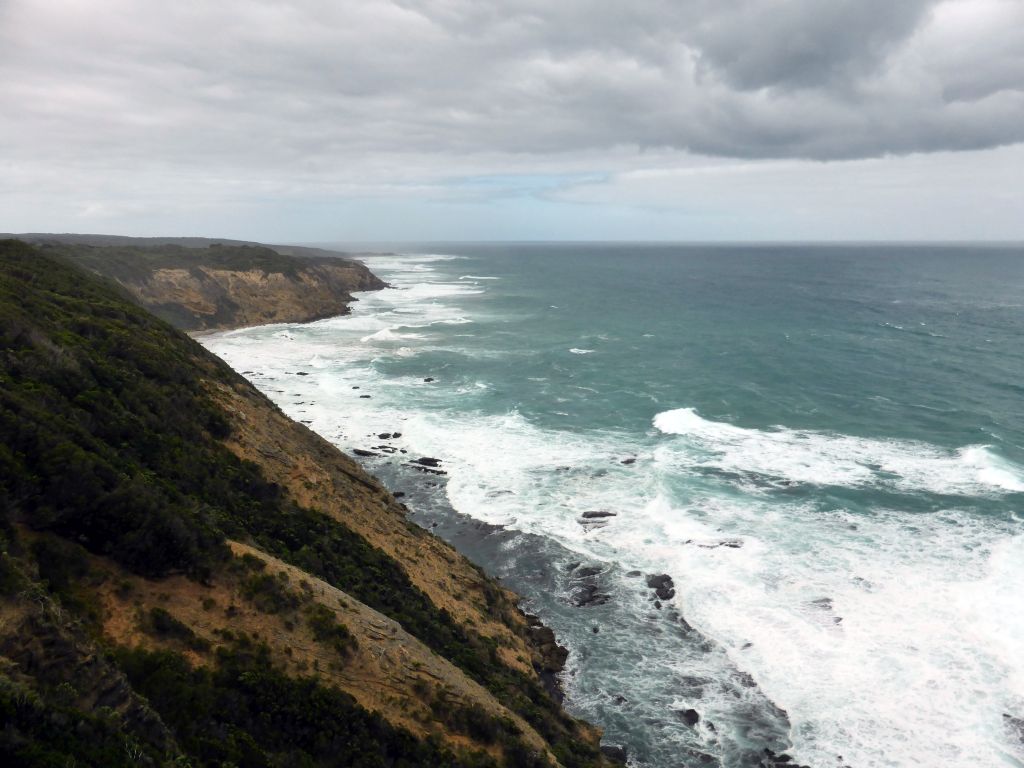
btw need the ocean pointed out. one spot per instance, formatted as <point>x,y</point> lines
<point>822,446</point>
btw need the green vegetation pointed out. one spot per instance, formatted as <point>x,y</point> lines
<point>105,434</point>
<point>246,712</point>
<point>327,629</point>
<point>108,438</point>
<point>46,730</point>
<point>270,594</point>
<point>137,262</point>
<point>162,624</point>
<point>474,721</point>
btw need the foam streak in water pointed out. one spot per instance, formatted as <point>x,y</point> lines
<point>805,456</point>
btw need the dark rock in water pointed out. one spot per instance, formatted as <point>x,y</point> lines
<point>384,436</point>
<point>631,460</point>
<point>657,581</point>
<point>773,760</point>
<point>429,379</point>
<point>731,543</point>
<point>1014,727</point>
<point>745,679</point>
<point>823,602</point>
<point>598,514</point>
<point>355,387</point>
<point>595,630</point>
<point>572,566</point>
<point>662,585</point>
<point>301,373</point>
<point>361,452</point>
<point>634,574</point>
<point>614,753</point>
<point>428,461</point>
<point>427,470</point>
<point>701,757</point>
<point>552,655</point>
<point>689,716</point>
<point>590,570</point>
<point>589,595</point>
<point>396,435</point>
<point>620,700</point>
<point>399,494</point>
<point>657,604</point>
<point>365,397</point>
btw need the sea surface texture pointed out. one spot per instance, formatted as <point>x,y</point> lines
<point>822,447</point>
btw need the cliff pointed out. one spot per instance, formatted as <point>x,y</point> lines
<point>207,285</point>
<point>187,575</point>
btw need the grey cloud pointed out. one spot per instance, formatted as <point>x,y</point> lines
<point>804,43</point>
<point>319,86</point>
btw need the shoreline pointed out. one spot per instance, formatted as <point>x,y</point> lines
<point>553,653</point>
<point>479,541</point>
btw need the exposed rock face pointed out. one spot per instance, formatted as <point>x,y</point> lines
<point>211,285</point>
<point>203,298</point>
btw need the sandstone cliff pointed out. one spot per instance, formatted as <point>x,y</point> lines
<point>200,285</point>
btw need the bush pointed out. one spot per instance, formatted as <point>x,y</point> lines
<point>327,629</point>
<point>269,594</point>
<point>160,623</point>
<point>245,711</point>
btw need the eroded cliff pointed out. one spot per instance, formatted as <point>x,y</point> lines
<point>225,286</point>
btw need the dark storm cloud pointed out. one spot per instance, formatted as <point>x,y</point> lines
<point>804,43</point>
<point>317,85</point>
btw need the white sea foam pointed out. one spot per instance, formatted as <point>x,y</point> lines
<point>926,657</point>
<point>806,456</point>
<point>389,334</point>
<point>869,632</point>
<point>578,351</point>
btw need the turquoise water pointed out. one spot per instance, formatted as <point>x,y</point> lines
<point>823,446</point>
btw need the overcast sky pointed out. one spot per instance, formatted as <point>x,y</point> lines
<point>324,120</point>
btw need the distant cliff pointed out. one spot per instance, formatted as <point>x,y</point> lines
<point>202,285</point>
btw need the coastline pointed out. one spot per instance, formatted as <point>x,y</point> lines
<point>289,556</point>
<point>481,542</point>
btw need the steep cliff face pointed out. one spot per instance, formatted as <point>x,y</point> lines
<point>203,298</point>
<point>226,286</point>
<point>186,574</point>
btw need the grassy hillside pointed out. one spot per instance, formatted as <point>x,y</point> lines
<point>226,619</point>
